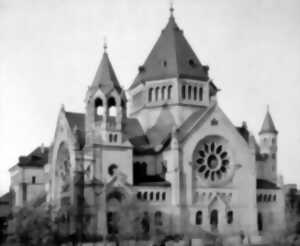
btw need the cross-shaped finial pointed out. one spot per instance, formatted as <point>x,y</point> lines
<point>171,7</point>
<point>105,44</point>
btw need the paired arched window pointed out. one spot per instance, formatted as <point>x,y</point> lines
<point>99,109</point>
<point>198,219</point>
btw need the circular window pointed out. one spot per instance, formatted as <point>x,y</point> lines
<point>212,161</point>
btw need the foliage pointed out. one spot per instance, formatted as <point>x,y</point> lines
<point>33,226</point>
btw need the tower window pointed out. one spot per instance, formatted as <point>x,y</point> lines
<point>151,196</point>
<point>157,196</point>
<point>169,91</point>
<point>195,93</point>
<point>163,196</point>
<point>200,94</point>
<point>150,92</point>
<point>183,92</point>
<point>198,218</point>
<point>163,92</point>
<point>112,109</point>
<point>33,179</point>
<point>156,93</point>
<point>229,217</point>
<point>189,92</point>
<point>145,196</point>
<point>99,107</point>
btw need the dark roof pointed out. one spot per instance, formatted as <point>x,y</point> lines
<point>265,184</point>
<point>268,125</point>
<point>105,76</point>
<point>77,120</point>
<point>243,131</point>
<point>5,198</point>
<point>171,56</point>
<point>37,158</point>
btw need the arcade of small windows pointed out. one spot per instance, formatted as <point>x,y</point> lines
<point>160,93</point>
<point>151,196</point>
<point>213,217</point>
<point>111,108</point>
<point>266,198</point>
<point>189,92</point>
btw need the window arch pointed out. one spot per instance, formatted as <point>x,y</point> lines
<point>110,138</point>
<point>115,138</point>
<point>112,109</point>
<point>183,92</point>
<point>259,197</point>
<point>229,217</point>
<point>163,196</point>
<point>99,109</point>
<point>157,196</point>
<point>169,91</point>
<point>156,93</point>
<point>265,197</point>
<point>195,93</point>
<point>139,195</point>
<point>158,220</point>
<point>150,94</point>
<point>200,94</point>
<point>163,93</point>
<point>214,217</point>
<point>151,196</point>
<point>198,218</point>
<point>189,92</point>
<point>145,196</point>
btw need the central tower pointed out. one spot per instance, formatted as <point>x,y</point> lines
<point>172,76</point>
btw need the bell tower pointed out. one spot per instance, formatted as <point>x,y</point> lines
<point>105,106</point>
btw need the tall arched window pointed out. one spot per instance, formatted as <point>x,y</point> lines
<point>259,222</point>
<point>99,109</point>
<point>150,92</point>
<point>183,92</point>
<point>169,91</point>
<point>229,217</point>
<point>158,220</point>
<point>214,218</point>
<point>189,92</point>
<point>163,93</point>
<point>195,93</point>
<point>112,109</point>
<point>157,196</point>
<point>151,196</point>
<point>145,196</point>
<point>139,195</point>
<point>156,93</point>
<point>163,196</point>
<point>200,94</point>
<point>198,219</point>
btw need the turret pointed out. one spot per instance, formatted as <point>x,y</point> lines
<point>105,105</point>
<point>268,136</point>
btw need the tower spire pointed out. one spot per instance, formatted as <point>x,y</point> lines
<point>268,125</point>
<point>171,8</point>
<point>104,44</point>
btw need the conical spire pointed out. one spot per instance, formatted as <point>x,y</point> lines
<point>171,56</point>
<point>268,125</point>
<point>105,76</point>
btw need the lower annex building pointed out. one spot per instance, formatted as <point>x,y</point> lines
<point>167,158</point>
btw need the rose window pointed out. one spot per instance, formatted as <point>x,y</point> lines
<point>212,161</point>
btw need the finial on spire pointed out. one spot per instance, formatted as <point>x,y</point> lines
<point>268,108</point>
<point>171,7</point>
<point>105,44</point>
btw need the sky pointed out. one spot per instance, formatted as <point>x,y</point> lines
<point>50,50</point>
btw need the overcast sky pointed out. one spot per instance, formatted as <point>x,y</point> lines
<point>50,49</point>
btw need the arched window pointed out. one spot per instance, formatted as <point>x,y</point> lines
<point>265,198</point>
<point>150,92</point>
<point>198,219</point>
<point>269,198</point>
<point>169,91</point>
<point>139,195</point>
<point>145,196</point>
<point>183,92</point>
<point>156,93</point>
<point>274,198</point>
<point>189,92</point>
<point>195,93</point>
<point>163,196</point>
<point>200,94</point>
<point>229,217</point>
<point>110,138</point>
<point>163,93</point>
<point>157,196</point>
<point>259,197</point>
<point>115,138</point>
<point>214,218</point>
<point>112,109</point>
<point>158,220</point>
<point>99,109</point>
<point>151,196</point>
<point>259,222</point>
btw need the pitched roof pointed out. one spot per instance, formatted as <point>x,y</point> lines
<point>265,184</point>
<point>268,125</point>
<point>171,56</point>
<point>37,158</point>
<point>5,198</point>
<point>105,76</point>
<point>77,120</point>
